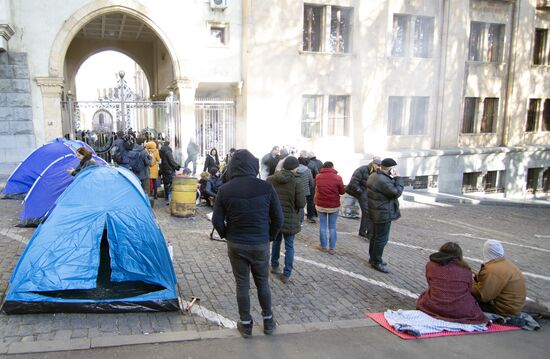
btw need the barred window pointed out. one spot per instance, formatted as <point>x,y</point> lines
<point>311,116</point>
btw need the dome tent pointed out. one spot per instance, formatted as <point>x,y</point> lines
<point>26,173</point>
<point>100,250</point>
<point>50,184</point>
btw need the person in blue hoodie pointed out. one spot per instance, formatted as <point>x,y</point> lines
<point>248,214</point>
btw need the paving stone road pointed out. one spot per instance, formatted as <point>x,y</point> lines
<point>323,287</point>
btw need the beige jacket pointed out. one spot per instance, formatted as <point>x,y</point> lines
<point>501,284</point>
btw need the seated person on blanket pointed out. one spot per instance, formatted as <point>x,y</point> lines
<point>213,184</point>
<point>202,185</point>
<point>449,284</point>
<point>499,286</point>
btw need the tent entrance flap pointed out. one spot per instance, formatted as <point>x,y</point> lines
<point>105,288</point>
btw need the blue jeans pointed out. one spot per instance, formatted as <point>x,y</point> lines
<point>289,252</point>
<point>378,242</point>
<point>331,219</point>
<point>245,259</point>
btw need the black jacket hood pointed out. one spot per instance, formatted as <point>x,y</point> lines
<point>243,163</point>
<point>442,258</point>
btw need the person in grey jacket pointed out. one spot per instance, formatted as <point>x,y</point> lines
<point>192,152</point>
<point>306,179</point>
<point>384,188</point>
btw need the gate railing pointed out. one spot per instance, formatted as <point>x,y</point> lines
<point>215,125</point>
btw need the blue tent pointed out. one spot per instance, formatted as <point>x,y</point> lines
<point>24,176</point>
<point>99,250</point>
<point>49,185</point>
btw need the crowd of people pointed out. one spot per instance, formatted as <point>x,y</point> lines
<point>255,213</point>
<point>261,205</point>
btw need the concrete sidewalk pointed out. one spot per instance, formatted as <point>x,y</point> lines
<point>359,341</point>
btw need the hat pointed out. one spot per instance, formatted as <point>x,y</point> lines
<point>377,160</point>
<point>492,249</point>
<point>388,162</point>
<point>290,163</point>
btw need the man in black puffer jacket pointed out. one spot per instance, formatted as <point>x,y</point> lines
<point>357,187</point>
<point>247,212</point>
<point>384,187</point>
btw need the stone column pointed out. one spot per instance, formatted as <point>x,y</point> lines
<point>6,31</point>
<point>51,88</point>
<point>240,123</point>
<point>186,93</point>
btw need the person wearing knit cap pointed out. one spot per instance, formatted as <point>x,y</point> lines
<point>292,197</point>
<point>499,287</point>
<point>384,188</point>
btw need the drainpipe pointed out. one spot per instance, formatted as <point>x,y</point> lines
<point>510,78</point>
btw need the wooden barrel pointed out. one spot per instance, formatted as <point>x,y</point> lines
<point>184,196</point>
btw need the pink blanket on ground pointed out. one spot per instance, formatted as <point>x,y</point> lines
<point>379,318</point>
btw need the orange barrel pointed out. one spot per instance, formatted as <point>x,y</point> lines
<point>184,196</point>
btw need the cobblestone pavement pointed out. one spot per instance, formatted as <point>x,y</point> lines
<point>323,287</point>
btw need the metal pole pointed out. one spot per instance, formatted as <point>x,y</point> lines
<point>122,110</point>
<point>70,110</point>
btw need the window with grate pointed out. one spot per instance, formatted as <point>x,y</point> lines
<point>470,182</point>
<point>546,181</point>
<point>493,181</point>
<point>533,175</point>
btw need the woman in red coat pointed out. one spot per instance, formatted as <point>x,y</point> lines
<point>449,283</point>
<point>328,188</point>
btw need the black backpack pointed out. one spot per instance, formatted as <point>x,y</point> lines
<point>135,161</point>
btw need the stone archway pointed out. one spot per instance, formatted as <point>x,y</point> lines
<point>70,49</point>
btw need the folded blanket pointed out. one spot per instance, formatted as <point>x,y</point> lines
<point>415,322</point>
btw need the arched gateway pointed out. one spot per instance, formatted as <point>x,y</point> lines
<point>128,27</point>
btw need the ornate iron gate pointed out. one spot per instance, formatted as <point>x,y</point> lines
<point>215,125</point>
<point>97,122</point>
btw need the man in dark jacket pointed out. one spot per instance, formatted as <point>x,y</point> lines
<point>140,166</point>
<point>168,168</point>
<point>269,162</point>
<point>384,187</point>
<point>357,187</point>
<point>292,197</point>
<point>247,212</point>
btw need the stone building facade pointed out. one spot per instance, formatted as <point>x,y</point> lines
<point>458,92</point>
